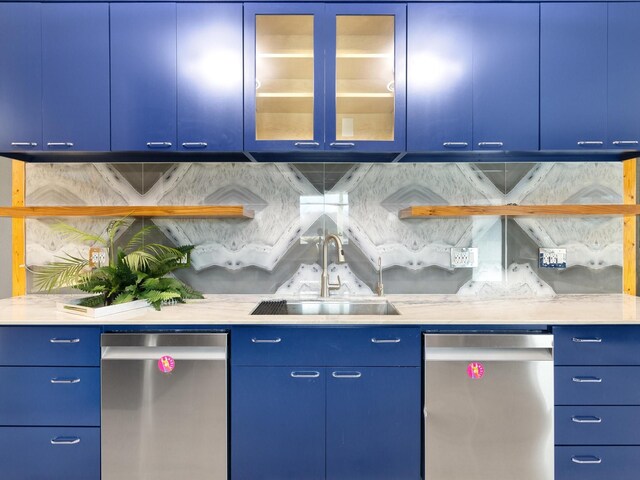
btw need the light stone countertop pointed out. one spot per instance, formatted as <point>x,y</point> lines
<point>414,310</point>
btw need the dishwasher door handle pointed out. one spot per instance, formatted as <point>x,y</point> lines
<point>155,353</point>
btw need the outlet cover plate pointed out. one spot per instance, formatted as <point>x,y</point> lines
<point>552,258</point>
<point>464,257</point>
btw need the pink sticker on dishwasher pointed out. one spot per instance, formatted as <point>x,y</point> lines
<point>475,370</point>
<point>166,364</point>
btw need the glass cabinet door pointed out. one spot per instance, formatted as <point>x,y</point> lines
<point>365,76</point>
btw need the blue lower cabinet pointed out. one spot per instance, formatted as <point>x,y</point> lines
<point>597,385</point>
<point>597,425</point>
<point>373,423</point>
<point>597,345</point>
<point>47,453</point>
<point>278,423</point>
<point>50,396</point>
<point>597,463</point>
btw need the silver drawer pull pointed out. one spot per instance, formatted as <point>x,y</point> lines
<point>455,144</point>
<point>266,340</point>
<point>587,379</point>
<point>586,459</point>
<point>65,380</point>
<point>586,419</point>
<point>590,143</point>
<point>346,374</point>
<point>64,340</point>
<point>195,144</point>
<point>65,441</point>
<point>60,144</point>
<point>306,144</point>
<point>491,144</point>
<point>159,144</point>
<point>342,144</point>
<point>24,144</point>
<point>385,340</point>
<point>587,340</point>
<point>625,142</point>
<point>311,374</point>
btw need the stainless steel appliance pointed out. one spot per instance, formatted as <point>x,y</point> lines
<point>488,411</point>
<point>164,406</point>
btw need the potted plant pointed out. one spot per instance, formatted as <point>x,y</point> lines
<point>137,271</point>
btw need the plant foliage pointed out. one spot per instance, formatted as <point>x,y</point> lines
<point>137,271</point>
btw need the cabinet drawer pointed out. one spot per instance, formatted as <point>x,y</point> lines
<point>49,346</point>
<point>619,345</point>
<point>597,385</point>
<point>274,346</point>
<point>44,453</point>
<point>597,425</point>
<point>597,463</point>
<point>50,396</point>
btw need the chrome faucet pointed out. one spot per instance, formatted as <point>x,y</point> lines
<point>325,285</point>
<point>380,285</point>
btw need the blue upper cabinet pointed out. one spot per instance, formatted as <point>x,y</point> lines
<point>209,77</point>
<point>573,76</point>
<point>21,80</point>
<point>624,77</point>
<point>472,77</point>
<point>75,87</point>
<point>143,76</point>
<point>302,60</point>
<point>506,76</point>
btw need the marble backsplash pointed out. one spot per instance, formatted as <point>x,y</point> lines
<point>297,204</point>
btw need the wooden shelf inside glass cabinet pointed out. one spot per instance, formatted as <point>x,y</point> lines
<point>426,211</point>
<point>199,211</point>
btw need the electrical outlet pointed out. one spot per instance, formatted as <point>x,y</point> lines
<point>98,257</point>
<point>464,257</point>
<point>184,260</point>
<point>553,258</point>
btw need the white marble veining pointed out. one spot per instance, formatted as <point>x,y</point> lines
<point>414,310</point>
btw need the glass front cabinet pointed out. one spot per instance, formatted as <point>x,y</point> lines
<point>325,77</point>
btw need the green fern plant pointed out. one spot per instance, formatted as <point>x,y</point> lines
<point>137,271</point>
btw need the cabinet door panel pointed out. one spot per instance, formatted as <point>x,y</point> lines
<point>597,385</point>
<point>209,66</point>
<point>597,463</point>
<point>143,76</point>
<point>75,89</point>
<point>278,423</point>
<point>505,77</point>
<point>624,76</point>
<point>439,78</point>
<point>21,80</point>
<point>373,423</point>
<point>573,75</point>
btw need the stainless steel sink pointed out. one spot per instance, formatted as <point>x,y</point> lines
<point>318,307</point>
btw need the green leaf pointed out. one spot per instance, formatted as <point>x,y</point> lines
<point>70,271</point>
<point>75,234</point>
<point>92,302</point>
<point>137,241</point>
<point>123,298</point>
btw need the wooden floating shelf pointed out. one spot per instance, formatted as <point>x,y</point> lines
<point>424,211</point>
<point>200,211</point>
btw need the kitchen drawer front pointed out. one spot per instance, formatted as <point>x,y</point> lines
<point>50,396</point>
<point>375,347</point>
<point>598,345</point>
<point>597,463</point>
<point>597,425</point>
<point>47,453</point>
<point>597,385</point>
<point>50,346</point>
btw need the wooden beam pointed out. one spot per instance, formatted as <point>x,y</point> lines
<point>231,211</point>
<point>18,247</point>
<point>629,240</point>
<point>517,210</point>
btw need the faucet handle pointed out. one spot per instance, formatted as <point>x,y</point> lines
<point>336,286</point>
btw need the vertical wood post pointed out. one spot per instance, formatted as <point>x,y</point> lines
<point>629,228</point>
<point>19,272</point>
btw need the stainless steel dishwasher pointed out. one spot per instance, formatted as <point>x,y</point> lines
<point>164,406</point>
<point>488,411</point>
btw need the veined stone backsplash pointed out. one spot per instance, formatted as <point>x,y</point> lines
<point>297,204</point>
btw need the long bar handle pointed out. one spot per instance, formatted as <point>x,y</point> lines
<point>266,340</point>
<point>385,340</point>
<point>590,143</point>
<point>587,340</point>
<point>491,144</point>
<point>625,142</point>
<point>195,145</point>
<point>60,144</point>
<point>64,380</point>
<point>159,144</point>
<point>586,419</point>
<point>306,144</point>
<point>305,374</point>
<point>587,379</point>
<point>65,441</point>
<point>455,144</point>
<point>586,459</point>
<point>64,340</point>
<point>342,144</point>
<point>346,374</point>
<point>24,144</point>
